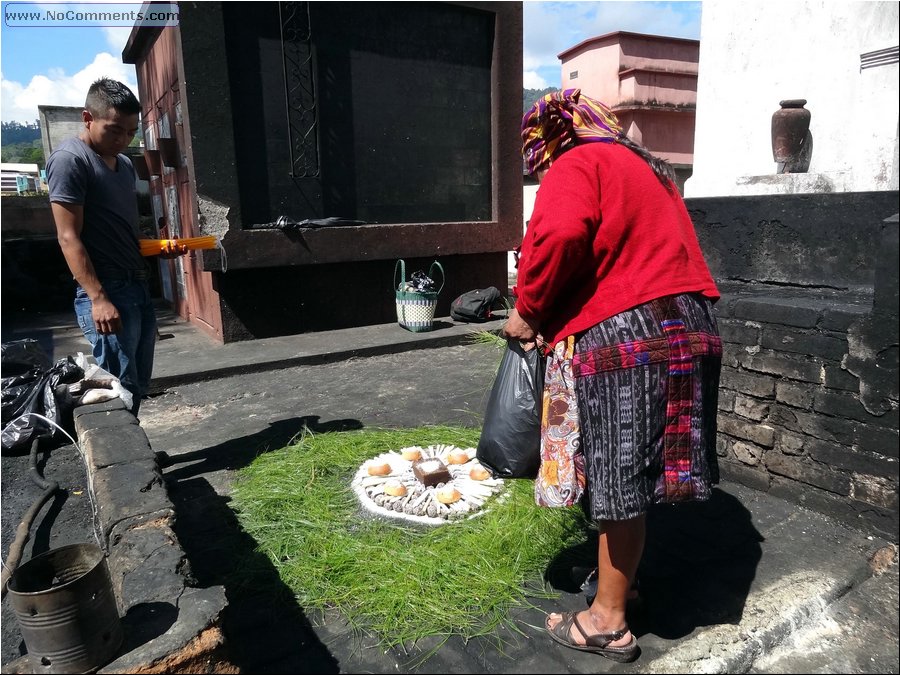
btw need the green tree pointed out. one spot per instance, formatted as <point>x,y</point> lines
<point>13,133</point>
<point>33,156</point>
<point>23,153</point>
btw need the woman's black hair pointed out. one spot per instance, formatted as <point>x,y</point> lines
<point>661,167</point>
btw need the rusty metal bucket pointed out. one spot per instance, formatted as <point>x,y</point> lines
<point>66,608</point>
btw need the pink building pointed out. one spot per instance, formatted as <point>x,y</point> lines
<point>650,82</point>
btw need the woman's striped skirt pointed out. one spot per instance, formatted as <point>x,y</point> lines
<point>646,383</point>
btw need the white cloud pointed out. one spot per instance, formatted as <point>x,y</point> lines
<point>116,38</point>
<point>531,80</point>
<point>20,101</point>
<point>673,19</point>
<point>544,27</point>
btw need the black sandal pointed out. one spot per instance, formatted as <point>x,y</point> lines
<point>595,644</point>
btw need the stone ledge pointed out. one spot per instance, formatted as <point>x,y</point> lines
<point>120,418</point>
<point>105,407</point>
<point>108,445</point>
<point>192,643</point>
<point>124,491</point>
<point>833,309</point>
<point>793,183</point>
<point>168,626</point>
<point>145,565</point>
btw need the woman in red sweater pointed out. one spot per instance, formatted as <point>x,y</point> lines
<point>611,278</point>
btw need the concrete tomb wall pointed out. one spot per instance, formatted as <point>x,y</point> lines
<point>808,405</point>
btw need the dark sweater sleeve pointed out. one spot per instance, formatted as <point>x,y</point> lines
<point>558,242</point>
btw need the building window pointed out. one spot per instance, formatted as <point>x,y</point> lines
<point>573,75</point>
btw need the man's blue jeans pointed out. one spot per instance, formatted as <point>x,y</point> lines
<point>127,354</point>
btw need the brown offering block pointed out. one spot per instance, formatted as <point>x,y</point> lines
<point>431,471</point>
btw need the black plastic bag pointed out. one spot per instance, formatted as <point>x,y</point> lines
<point>21,356</point>
<point>510,443</point>
<point>31,385</point>
<point>421,283</point>
<point>23,364</point>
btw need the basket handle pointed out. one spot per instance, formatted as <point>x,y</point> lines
<point>402,266</point>
<point>431,273</point>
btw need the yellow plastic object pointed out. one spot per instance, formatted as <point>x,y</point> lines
<point>157,246</point>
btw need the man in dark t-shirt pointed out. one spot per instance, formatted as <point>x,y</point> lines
<point>93,198</point>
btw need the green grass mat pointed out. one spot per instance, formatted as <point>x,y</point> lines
<point>400,581</point>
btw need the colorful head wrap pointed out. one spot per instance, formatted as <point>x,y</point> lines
<point>561,119</point>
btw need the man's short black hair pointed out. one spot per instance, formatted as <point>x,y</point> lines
<point>105,94</point>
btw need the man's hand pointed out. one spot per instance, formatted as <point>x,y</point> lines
<point>173,250</point>
<point>106,316</point>
<point>516,328</point>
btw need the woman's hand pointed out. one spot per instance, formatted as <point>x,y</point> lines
<point>517,328</point>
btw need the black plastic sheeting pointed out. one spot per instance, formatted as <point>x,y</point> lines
<point>30,384</point>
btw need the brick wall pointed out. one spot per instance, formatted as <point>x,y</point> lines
<point>808,406</point>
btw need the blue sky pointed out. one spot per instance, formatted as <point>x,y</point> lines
<point>552,27</point>
<point>55,66</point>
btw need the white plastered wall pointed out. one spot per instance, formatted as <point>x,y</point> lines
<point>756,53</point>
<point>528,194</point>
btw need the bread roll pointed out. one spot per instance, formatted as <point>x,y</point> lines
<point>379,468</point>
<point>457,456</point>
<point>448,494</point>
<point>394,488</point>
<point>479,473</point>
<point>411,454</point>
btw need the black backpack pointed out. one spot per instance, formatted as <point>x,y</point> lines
<point>475,306</point>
